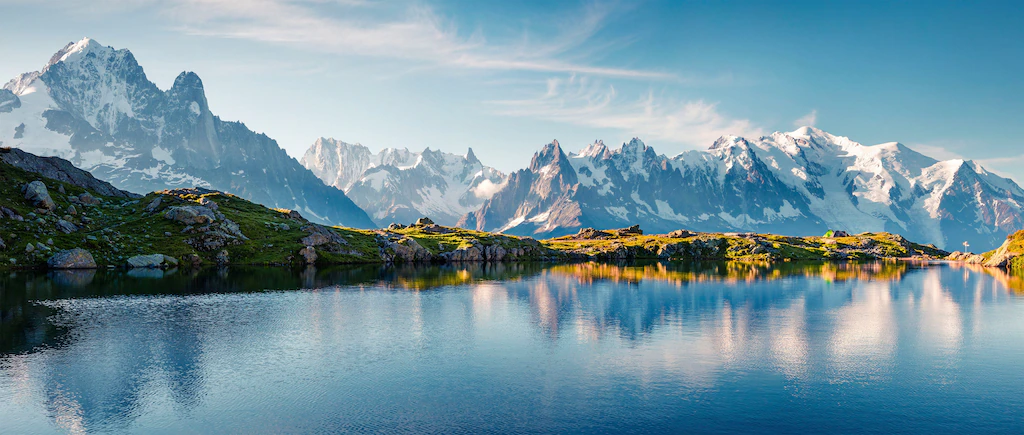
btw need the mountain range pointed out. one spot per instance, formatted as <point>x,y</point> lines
<point>398,185</point>
<point>94,106</point>
<point>801,182</point>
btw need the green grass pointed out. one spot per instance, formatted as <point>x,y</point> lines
<point>122,228</point>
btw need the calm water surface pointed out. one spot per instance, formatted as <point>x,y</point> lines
<point>717,348</point>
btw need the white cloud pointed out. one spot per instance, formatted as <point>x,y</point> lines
<point>412,33</point>
<point>583,101</point>
<point>807,120</point>
<point>487,188</point>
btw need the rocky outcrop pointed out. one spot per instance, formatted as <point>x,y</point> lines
<point>61,170</point>
<point>191,215</point>
<point>1005,254</point>
<point>36,193</point>
<point>681,234</point>
<point>72,259</point>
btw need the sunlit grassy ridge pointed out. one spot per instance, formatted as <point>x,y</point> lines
<point>238,231</point>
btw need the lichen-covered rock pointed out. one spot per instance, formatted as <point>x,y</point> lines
<point>423,221</point>
<point>308,254</point>
<point>37,194</point>
<point>66,227</point>
<point>71,259</point>
<point>190,215</point>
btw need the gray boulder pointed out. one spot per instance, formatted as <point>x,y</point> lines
<point>87,199</point>
<point>36,193</point>
<point>72,259</point>
<point>190,215</point>
<point>154,204</point>
<point>423,221</point>
<point>66,227</point>
<point>152,261</point>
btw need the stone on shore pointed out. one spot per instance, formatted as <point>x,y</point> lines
<point>71,259</point>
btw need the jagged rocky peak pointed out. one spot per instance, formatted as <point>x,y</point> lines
<point>471,157</point>
<point>94,106</point>
<point>550,156</point>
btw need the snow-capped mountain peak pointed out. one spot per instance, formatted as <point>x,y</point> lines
<point>398,185</point>
<point>801,182</point>
<point>93,105</point>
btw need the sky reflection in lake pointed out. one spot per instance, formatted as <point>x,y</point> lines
<point>511,348</point>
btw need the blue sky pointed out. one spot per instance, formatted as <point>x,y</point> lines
<point>504,78</point>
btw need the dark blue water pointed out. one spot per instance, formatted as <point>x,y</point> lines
<point>721,348</point>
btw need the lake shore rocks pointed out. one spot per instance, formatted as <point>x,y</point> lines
<point>152,261</point>
<point>76,258</point>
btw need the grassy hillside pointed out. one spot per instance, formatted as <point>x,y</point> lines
<point>200,227</point>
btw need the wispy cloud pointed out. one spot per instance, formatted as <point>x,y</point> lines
<point>415,32</point>
<point>1004,166</point>
<point>935,151</point>
<point>584,101</point>
<point>808,120</point>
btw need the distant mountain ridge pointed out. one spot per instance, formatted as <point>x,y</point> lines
<point>398,185</point>
<point>94,106</point>
<point>801,182</point>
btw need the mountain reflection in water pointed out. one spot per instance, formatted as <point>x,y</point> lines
<point>419,346</point>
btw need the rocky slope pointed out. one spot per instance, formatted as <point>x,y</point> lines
<point>802,182</point>
<point>1009,255</point>
<point>398,185</point>
<point>94,106</point>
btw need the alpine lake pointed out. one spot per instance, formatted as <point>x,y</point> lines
<point>886,347</point>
